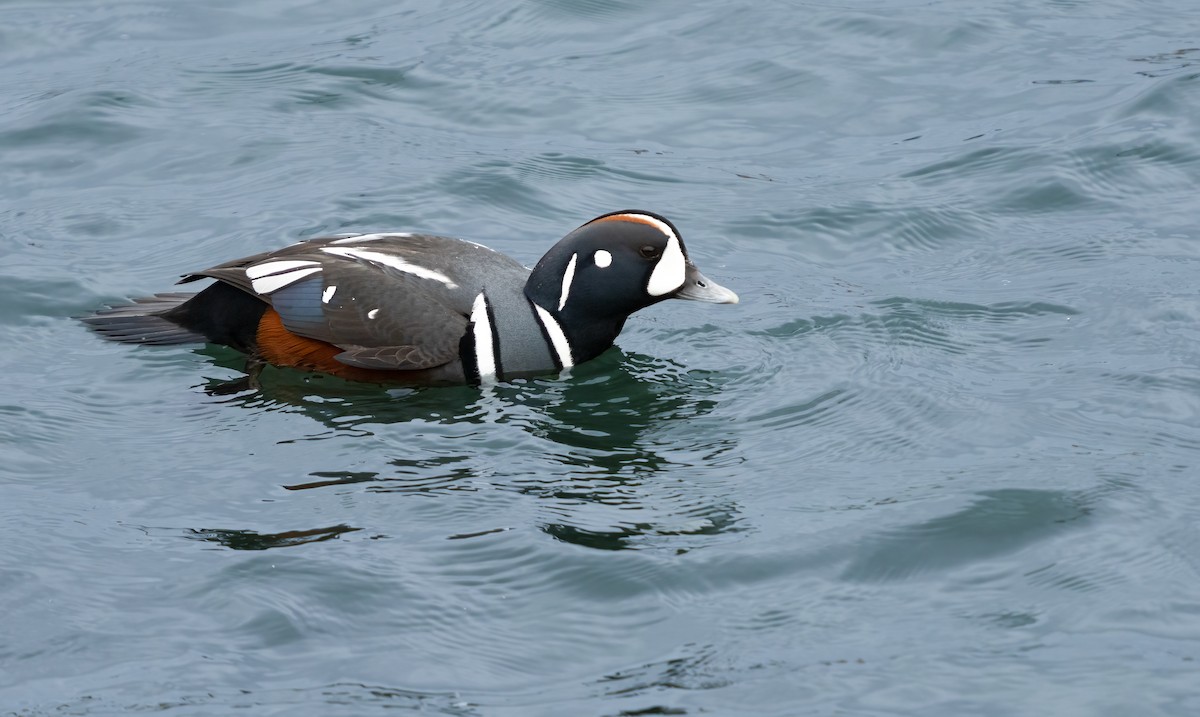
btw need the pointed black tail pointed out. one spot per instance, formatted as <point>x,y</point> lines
<point>142,322</point>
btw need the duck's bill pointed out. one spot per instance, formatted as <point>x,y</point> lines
<point>698,287</point>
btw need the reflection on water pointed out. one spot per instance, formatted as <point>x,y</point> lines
<point>250,540</point>
<point>605,452</point>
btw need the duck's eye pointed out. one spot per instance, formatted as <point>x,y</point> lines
<point>649,252</point>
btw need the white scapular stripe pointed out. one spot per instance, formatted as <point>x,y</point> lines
<point>390,261</point>
<point>602,258</point>
<point>275,282</point>
<point>274,267</point>
<point>670,271</point>
<point>355,238</point>
<point>485,350</point>
<point>327,295</point>
<point>568,277</point>
<point>558,340</point>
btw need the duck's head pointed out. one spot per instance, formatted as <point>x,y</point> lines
<point>615,264</point>
<point>622,261</point>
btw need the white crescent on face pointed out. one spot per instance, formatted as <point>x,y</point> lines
<point>670,271</point>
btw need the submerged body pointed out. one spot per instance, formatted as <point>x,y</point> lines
<point>423,309</point>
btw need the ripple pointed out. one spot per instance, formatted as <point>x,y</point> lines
<point>334,699</point>
<point>998,522</point>
<point>590,9</point>
<point>985,162</point>
<point>1113,171</point>
<point>477,578</point>
<point>1169,63</point>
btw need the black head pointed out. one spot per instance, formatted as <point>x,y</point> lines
<point>599,274</point>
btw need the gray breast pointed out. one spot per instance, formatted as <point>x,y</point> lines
<point>517,336</point>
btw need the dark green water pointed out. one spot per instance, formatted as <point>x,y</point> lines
<point>941,460</point>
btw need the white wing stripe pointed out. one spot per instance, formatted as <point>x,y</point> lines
<point>275,282</point>
<point>355,238</point>
<point>390,261</point>
<point>274,267</point>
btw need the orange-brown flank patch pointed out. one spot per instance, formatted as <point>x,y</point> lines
<point>280,347</point>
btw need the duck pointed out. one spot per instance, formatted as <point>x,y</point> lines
<point>423,309</point>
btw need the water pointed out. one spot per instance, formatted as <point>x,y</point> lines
<point>941,460</point>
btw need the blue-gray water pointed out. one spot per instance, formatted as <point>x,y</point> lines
<point>941,460</point>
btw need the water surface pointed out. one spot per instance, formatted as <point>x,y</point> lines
<point>941,459</point>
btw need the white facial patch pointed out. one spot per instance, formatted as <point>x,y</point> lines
<point>372,313</point>
<point>390,261</point>
<point>328,294</point>
<point>485,349</point>
<point>602,258</point>
<point>670,271</point>
<point>568,277</point>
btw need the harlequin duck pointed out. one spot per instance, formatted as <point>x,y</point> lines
<point>423,309</point>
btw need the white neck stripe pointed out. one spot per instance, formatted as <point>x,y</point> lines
<point>485,348</point>
<point>566,283</point>
<point>558,340</point>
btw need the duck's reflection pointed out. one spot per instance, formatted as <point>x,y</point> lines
<point>250,540</point>
<point>611,452</point>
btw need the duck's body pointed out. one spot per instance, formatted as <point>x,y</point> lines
<point>424,309</point>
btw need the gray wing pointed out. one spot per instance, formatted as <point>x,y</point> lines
<point>385,314</point>
<point>389,323</point>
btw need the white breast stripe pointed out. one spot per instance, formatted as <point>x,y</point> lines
<point>275,282</point>
<point>274,267</point>
<point>558,340</point>
<point>567,279</point>
<point>390,261</point>
<point>327,294</point>
<point>485,351</point>
<point>670,271</point>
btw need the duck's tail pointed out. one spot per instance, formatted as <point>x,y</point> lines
<point>143,322</point>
